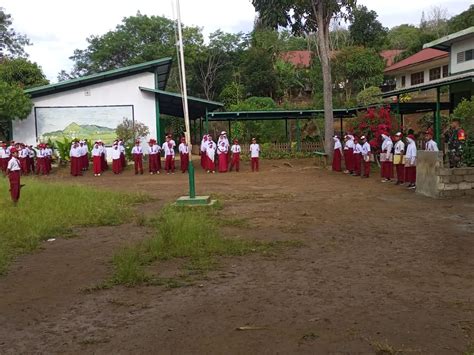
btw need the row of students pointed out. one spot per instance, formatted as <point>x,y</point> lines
<point>228,157</point>
<point>31,160</point>
<point>395,155</point>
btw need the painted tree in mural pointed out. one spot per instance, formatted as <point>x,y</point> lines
<point>306,16</point>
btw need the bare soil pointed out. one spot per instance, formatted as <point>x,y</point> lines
<point>381,269</point>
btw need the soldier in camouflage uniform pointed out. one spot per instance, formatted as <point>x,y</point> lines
<point>455,137</point>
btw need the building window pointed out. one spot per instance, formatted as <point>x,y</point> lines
<point>418,78</point>
<point>435,73</point>
<point>465,56</point>
<point>403,81</point>
<point>445,71</point>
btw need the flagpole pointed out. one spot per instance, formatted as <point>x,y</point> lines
<point>187,134</point>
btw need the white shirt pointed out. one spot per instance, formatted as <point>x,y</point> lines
<point>223,139</point>
<point>211,149</point>
<point>168,148</point>
<point>4,153</point>
<point>349,144</point>
<point>387,145</point>
<point>337,144</point>
<point>116,153</point>
<point>23,153</point>
<point>13,164</point>
<point>96,151</point>
<point>399,147</point>
<point>203,145</point>
<point>365,148</point>
<point>137,150</point>
<point>431,146</point>
<point>154,149</point>
<point>357,148</point>
<point>222,148</point>
<point>41,153</point>
<point>254,150</point>
<point>31,153</point>
<point>411,152</point>
<point>74,152</point>
<point>121,148</point>
<point>183,148</point>
<point>235,149</point>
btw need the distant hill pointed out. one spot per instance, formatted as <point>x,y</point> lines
<point>74,129</point>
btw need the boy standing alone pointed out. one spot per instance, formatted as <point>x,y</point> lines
<point>254,154</point>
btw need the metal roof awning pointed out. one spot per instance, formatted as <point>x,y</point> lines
<point>172,104</point>
<point>160,66</point>
<point>276,115</point>
<point>457,78</point>
<point>444,43</point>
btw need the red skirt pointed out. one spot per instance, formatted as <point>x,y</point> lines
<point>210,164</point>
<point>97,163</point>
<point>184,162</point>
<point>387,170</point>
<point>117,166</point>
<point>336,160</point>
<point>357,163</point>
<point>349,159</point>
<point>223,163</point>
<point>76,166</point>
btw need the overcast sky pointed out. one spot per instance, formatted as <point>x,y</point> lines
<point>57,27</point>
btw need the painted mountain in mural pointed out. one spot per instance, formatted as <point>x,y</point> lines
<point>89,132</point>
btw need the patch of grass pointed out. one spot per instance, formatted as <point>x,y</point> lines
<point>384,348</point>
<point>48,210</point>
<point>188,233</point>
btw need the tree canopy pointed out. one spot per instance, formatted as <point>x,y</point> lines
<point>365,29</point>
<point>12,43</point>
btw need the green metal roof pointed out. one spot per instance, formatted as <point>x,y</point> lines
<point>277,115</point>
<point>457,78</point>
<point>172,104</point>
<point>160,66</point>
<point>444,43</point>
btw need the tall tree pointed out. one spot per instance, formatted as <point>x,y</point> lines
<point>355,69</point>
<point>21,72</point>
<point>365,29</point>
<point>306,16</point>
<point>462,21</point>
<point>137,39</point>
<point>403,36</point>
<point>12,43</point>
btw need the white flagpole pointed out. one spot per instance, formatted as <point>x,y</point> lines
<point>183,81</point>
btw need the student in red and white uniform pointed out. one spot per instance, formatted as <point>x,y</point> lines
<point>23,158</point>
<point>203,151</point>
<point>40,160</point>
<point>75,155</point>
<point>31,159</point>
<point>123,161</point>
<point>337,155</point>
<point>430,145</point>
<point>48,155</point>
<point>4,156</point>
<point>153,157</point>
<point>116,159</point>
<point>365,156</point>
<point>184,155</point>
<point>14,171</point>
<point>210,155</point>
<point>168,148</point>
<point>137,154</point>
<point>410,162</point>
<point>254,154</point>
<point>223,139</point>
<point>398,156</point>
<point>349,153</point>
<point>357,157</point>
<point>222,156</point>
<point>103,156</point>
<point>97,159</point>
<point>386,158</point>
<point>235,160</point>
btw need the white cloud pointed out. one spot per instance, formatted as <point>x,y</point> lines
<point>58,27</point>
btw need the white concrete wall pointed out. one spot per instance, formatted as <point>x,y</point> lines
<point>457,47</point>
<point>422,67</point>
<point>123,91</point>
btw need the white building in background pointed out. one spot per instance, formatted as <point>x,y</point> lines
<point>99,101</point>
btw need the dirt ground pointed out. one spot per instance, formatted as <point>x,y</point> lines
<point>381,269</point>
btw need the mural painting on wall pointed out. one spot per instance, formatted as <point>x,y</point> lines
<point>91,123</point>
